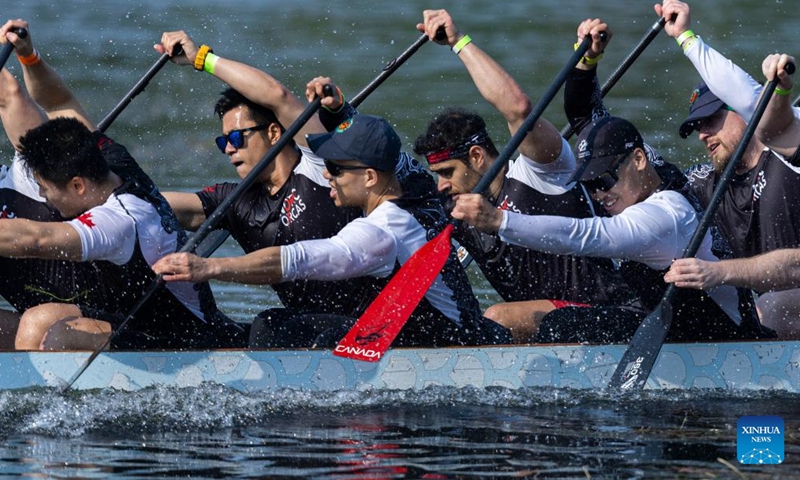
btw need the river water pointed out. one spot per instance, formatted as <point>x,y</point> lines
<point>104,48</point>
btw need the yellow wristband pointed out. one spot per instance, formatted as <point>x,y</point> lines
<point>591,61</point>
<point>31,59</point>
<point>782,91</point>
<point>210,62</point>
<point>685,36</point>
<point>200,58</point>
<point>465,40</point>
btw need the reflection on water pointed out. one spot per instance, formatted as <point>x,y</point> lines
<point>437,433</point>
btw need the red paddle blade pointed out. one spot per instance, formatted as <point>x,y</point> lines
<point>377,328</point>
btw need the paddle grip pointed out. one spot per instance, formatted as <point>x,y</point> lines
<point>21,32</point>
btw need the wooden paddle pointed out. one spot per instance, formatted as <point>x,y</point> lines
<point>637,362</point>
<point>208,225</point>
<point>623,67</point>
<point>9,47</point>
<point>375,330</point>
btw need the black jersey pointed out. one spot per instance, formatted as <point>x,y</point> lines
<point>760,210</point>
<point>301,210</point>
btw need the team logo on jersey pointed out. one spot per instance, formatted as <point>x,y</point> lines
<point>344,125</point>
<point>86,219</point>
<point>758,187</point>
<point>292,207</point>
<point>6,214</point>
<point>508,205</point>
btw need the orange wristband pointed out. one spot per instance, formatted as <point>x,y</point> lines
<point>31,59</point>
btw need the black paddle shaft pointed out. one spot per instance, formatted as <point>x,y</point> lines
<point>532,118</point>
<point>623,67</point>
<point>9,47</point>
<point>393,65</point>
<point>638,360</point>
<point>136,90</point>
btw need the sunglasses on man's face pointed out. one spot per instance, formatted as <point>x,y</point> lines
<point>236,137</point>
<point>336,170</point>
<point>607,179</point>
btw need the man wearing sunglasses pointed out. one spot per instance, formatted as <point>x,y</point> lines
<point>290,202</point>
<point>650,225</point>
<point>361,156</point>
<point>459,150</point>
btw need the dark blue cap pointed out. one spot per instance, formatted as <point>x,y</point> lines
<point>702,104</point>
<point>364,138</point>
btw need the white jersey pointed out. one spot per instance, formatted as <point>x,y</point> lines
<point>366,246</point>
<point>653,232</point>
<point>110,232</point>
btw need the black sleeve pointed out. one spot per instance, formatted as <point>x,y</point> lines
<point>212,196</point>
<point>582,99</point>
<point>331,120</point>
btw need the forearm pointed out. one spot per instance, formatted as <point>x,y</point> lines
<point>776,270</point>
<point>582,98</point>
<point>22,238</point>
<point>261,267</point>
<point>49,90</point>
<point>779,129</point>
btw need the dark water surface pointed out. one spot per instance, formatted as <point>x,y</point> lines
<point>103,48</point>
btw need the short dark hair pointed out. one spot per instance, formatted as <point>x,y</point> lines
<point>452,128</point>
<point>63,148</point>
<point>230,99</point>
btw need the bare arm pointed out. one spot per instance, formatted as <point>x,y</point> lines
<point>188,208</point>
<point>543,144</point>
<point>46,87</point>
<point>779,129</point>
<point>776,270</point>
<point>18,112</point>
<point>26,238</point>
<point>260,267</point>
<point>258,86</point>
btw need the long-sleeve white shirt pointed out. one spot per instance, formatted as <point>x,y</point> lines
<point>654,232</point>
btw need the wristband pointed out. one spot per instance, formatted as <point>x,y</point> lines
<point>210,62</point>
<point>465,40</point>
<point>31,59</point>
<point>200,58</point>
<point>591,61</point>
<point>341,102</point>
<point>685,36</point>
<point>586,60</point>
<point>782,91</point>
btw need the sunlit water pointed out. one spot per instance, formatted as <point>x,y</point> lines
<point>103,48</point>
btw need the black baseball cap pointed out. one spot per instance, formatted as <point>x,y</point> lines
<point>601,143</point>
<point>365,138</point>
<point>702,104</point>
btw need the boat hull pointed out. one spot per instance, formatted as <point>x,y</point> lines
<point>736,365</point>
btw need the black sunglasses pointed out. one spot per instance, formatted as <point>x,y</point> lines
<point>336,170</point>
<point>236,137</point>
<point>607,179</point>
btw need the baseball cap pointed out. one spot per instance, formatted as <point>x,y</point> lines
<point>601,143</point>
<point>365,138</point>
<point>702,104</point>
